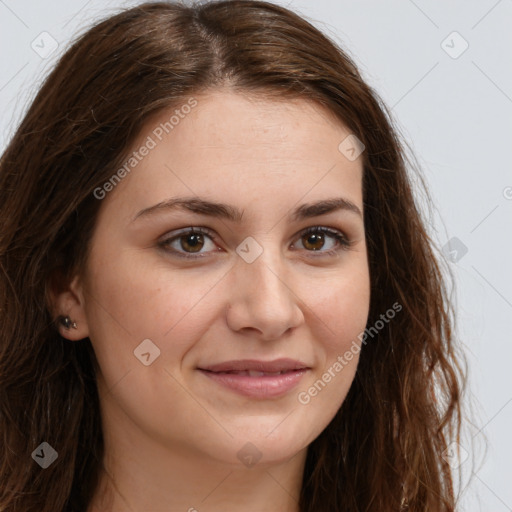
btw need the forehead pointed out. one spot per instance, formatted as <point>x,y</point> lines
<point>225,121</point>
<point>235,148</point>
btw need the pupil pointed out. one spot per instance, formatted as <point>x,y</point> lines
<point>194,242</point>
<point>313,240</point>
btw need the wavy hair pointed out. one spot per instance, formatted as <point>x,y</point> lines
<point>383,451</point>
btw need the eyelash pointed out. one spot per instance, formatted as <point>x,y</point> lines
<point>343,242</point>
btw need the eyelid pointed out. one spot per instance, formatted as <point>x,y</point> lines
<point>343,242</point>
<point>166,240</point>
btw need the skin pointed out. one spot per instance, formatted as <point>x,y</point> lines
<point>171,434</point>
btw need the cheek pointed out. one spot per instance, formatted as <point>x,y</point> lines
<point>340,310</point>
<point>343,319</point>
<point>340,303</point>
<point>132,301</point>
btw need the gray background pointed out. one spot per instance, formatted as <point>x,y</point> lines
<point>453,107</point>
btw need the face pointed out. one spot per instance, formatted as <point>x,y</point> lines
<point>233,249</point>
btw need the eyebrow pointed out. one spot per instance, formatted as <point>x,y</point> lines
<point>233,214</point>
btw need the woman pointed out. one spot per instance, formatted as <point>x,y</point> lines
<point>177,332</point>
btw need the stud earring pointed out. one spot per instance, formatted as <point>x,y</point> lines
<point>67,323</point>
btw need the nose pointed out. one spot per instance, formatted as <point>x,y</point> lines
<point>262,299</point>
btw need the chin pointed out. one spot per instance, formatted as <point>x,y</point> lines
<point>258,447</point>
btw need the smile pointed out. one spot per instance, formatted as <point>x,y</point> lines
<point>258,379</point>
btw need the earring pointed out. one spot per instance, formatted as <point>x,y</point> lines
<point>67,323</point>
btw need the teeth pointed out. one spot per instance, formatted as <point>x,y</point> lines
<point>255,373</point>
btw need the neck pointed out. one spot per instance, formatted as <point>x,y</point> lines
<point>168,483</point>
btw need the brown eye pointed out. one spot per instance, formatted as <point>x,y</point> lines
<point>313,241</point>
<point>323,240</point>
<point>192,242</point>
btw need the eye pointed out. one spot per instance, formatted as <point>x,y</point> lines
<point>324,240</point>
<point>190,242</point>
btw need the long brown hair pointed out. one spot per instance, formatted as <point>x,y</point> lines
<point>384,449</point>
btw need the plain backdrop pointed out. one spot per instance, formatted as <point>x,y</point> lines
<point>445,71</point>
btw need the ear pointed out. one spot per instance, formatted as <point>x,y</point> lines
<point>66,298</point>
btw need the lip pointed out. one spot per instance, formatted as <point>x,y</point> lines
<point>255,384</point>
<point>269,386</point>
<point>277,365</point>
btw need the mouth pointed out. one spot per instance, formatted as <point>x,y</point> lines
<point>276,366</point>
<point>257,379</point>
<point>253,373</point>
